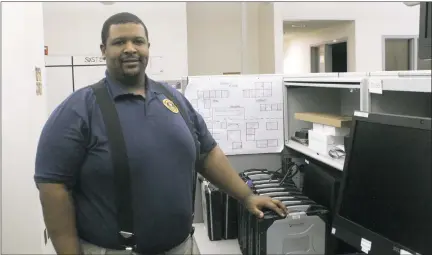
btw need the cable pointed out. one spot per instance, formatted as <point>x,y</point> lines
<point>276,173</point>
<point>290,173</point>
<point>336,153</point>
<point>286,164</point>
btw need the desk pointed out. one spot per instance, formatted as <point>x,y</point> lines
<point>206,246</point>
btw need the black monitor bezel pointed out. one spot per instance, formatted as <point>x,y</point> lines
<point>349,231</point>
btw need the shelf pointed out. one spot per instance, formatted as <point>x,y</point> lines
<point>323,85</point>
<point>206,246</point>
<point>329,81</point>
<point>335,163</point>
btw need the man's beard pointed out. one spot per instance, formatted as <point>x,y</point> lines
<point>133,79</point>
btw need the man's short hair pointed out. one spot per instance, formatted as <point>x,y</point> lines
<point>120,18</point>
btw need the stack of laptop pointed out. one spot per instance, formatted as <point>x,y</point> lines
<point>302,231</point>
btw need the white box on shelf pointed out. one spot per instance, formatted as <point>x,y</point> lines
<point>323,143</point>
<point>318,127</point>
<point>329,130</point>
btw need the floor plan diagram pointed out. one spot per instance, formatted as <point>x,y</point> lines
<point>243,113</point>
<point>258,90</point>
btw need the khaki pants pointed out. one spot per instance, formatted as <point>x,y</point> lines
<point>187,247</point>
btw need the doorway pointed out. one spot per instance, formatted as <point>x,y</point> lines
<point>339,57</point>
<point>315,62</point>
<point>399,54</point>
<point>329,58</point>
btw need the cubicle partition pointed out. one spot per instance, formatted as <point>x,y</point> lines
<point>328,93</point>
<point>268,96</point>
<point>252,116</point>
<point>404,93</point>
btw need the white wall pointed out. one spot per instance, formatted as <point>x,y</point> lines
<point>297,57</point>
<point>74,29</point>
<point>251,35</point>
<point>373,20</point>
<point>215,38</point>
<point>266,38</point>
<point>278,39</point>
<point>23,115</point>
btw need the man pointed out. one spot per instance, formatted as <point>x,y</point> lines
<point>73,165</point>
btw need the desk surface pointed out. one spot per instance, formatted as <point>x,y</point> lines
<point>206,246</point>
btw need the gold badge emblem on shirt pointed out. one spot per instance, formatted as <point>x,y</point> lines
<point>170,105</point>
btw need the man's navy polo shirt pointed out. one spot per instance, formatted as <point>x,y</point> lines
<point>74,150</point>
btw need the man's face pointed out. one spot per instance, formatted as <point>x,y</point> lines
<point>126,51</point>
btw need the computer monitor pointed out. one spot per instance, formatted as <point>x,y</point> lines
<point>385,202</point>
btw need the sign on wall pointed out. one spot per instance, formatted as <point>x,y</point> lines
<point>38,74</point>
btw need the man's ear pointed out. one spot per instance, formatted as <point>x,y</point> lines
<point>102,48</point>
<point>149,45</point>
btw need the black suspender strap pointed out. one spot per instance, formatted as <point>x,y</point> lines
<point>120,160</point>
<point>120,165</point>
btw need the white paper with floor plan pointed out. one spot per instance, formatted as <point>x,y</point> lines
<point>243,113</point>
